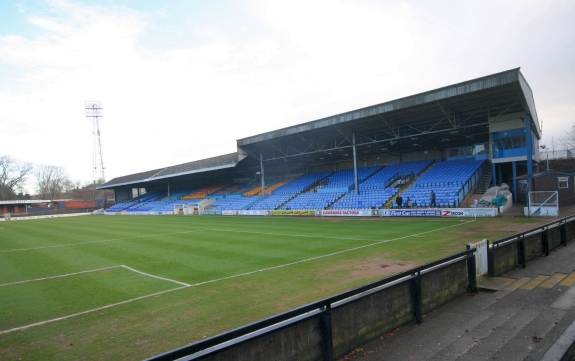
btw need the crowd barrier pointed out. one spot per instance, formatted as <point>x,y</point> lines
<point>332,327</point>
<point>515,251</point>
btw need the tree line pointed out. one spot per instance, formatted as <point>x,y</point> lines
<point>51,182</point>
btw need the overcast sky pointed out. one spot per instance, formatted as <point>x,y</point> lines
<point>183,80</point>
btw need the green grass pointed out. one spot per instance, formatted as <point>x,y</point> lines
<point>238,269</point>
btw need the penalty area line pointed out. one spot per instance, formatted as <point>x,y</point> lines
<point>88,311</point>
<point>158,277</point>
<point>59,276</point>
<point>96,270</point>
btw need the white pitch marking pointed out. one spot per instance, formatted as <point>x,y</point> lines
<point>222,279</point>
<point>326,255</point>
<point>88,311</point>
<point>158,277</point>
<point>96,270</point>
<point>59,276</point>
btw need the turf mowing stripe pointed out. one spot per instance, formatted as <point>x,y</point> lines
<point>51,277</point>
<point>220,279</point>
<point>326,255</point>
<point>158,277</point>
<point>89,311</point>
<point>101,241</point>
<point>194,231</point>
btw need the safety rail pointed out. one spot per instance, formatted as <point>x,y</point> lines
<point>514,251</point>
<point>397,176</point>
<point>322,309</point>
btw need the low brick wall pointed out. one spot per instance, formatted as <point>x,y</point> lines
<point>443,285</point>
<point>506,256</point>
<point>354,322</point>
<point>300,341</point>
<point>363,320</point>
<point>502,259</point>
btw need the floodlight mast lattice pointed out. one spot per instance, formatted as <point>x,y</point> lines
<point>94,112</point>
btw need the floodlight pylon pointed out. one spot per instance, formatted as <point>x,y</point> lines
<point>94,112</point>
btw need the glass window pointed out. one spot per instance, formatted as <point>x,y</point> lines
<point>517,142</point>
<point>563,182</point>
<point>495,146</point>
<point>469,151</point>
<point>480,148</point>
<point>506,143</point>
<point>451,153</point>
<point>522,184</point>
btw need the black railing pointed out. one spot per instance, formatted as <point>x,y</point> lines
<point>322,309</point>
<point>520,238</point>
<point>408,176</point>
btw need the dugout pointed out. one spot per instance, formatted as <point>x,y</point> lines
<point>23,206</point>
<point>491,117</point>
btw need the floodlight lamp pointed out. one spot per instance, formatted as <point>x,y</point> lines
<point>543,146</point>
<point>93,109</point>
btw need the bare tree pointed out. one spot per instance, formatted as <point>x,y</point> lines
<point>51,181</point>
<point>568,140</point>
<point>12,176</point>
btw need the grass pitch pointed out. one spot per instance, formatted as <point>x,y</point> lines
<point>130,287</point>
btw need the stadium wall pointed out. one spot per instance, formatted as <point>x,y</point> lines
<point>331,328</point>
<point>518,250</point>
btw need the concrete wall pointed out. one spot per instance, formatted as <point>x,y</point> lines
<point>505,257</point>
<point>443,285</point>
<point>502,259</point>
<point>361,321</point>
<point>353,323</point>
<point>300,341</point>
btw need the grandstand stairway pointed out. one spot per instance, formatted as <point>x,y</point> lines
<point>405,187</point>
<point>337,200</point>
<point>485,181</point>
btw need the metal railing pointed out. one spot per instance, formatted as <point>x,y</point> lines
<point>519,238</point>
<point>224,341</point>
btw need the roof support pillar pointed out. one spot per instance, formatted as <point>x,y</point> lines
<point>355,180</point>
<point>494,175</point>
<point>514,168</point>
<point>529,136</point>
<point>169,194</point>
<point>262,175</point>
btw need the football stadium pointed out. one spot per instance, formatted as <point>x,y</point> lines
<point>305,244</point>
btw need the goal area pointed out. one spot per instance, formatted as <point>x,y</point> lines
<point>543,203</point>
